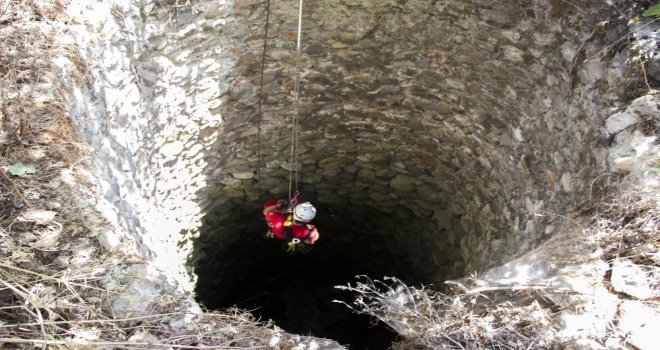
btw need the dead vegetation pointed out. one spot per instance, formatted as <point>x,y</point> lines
<point>46,279</point>
<point>52,275</point>
<point>625,219</point>
<point>620,221</point>
<point>431,320</point>
<point>615,25</point>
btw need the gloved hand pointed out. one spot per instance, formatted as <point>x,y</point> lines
<point>284,204</point>
<point>297,198</point>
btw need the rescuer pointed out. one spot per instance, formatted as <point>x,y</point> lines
<point>290,221</point>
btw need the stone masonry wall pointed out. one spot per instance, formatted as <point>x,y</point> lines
<point>145,111</point>
<point>451,135</point>
<point>446,136</point>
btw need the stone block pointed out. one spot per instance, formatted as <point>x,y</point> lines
<point>109,239</point>
<point>245,3</point>
<point>402,183</point>
<point>513,53</point>
<point>640,323</point>
<point>330,174</point>
<point>646,105</point>
<point>379,197</point>
<point>243,175</point>
<point>365,175</point>
<point>143,289</point>
<point>620,121</point>
<point>443,219</point>
<point>631,279</point>
<point>171,149</point>
<point>351,169</point>
<point>653,69</point>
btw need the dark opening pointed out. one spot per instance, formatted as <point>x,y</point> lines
<point>297,290</point>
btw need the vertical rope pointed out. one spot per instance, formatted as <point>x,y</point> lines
<point>300,18</point>
<point>296,116</point>
<point>261,96</point>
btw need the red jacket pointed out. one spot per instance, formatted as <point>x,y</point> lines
<point>277,220</point>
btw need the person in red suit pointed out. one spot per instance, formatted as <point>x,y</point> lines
<point>291,223</point>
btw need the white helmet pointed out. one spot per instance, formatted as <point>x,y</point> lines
<point>304,212</point>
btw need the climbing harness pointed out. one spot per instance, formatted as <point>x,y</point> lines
<point>294,243</point>
<point>293,164</point>
<point>261,95</point>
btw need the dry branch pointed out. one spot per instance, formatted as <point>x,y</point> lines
<point>436,320</point>
<point>126,345</point>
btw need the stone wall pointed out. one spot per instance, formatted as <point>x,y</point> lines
<point>436,137</point>
<point>145,109</point>
<point>445,136</point>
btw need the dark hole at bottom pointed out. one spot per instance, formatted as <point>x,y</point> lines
<point>296,291</point>
<point>307,308</point>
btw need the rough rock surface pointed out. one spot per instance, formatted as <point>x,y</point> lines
<point>640,323</point>
<point>632,279</point>
<point>635,145</point>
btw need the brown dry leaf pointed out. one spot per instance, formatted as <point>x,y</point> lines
<point>18,255</point>
<point>49,236</point>
<point>38,216</point>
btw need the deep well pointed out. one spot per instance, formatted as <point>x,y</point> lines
<point>437,138</point>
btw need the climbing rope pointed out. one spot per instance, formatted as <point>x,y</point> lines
<point>293,164</point>
<point>261,96</point>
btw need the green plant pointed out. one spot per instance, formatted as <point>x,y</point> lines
<point>652,11</point>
